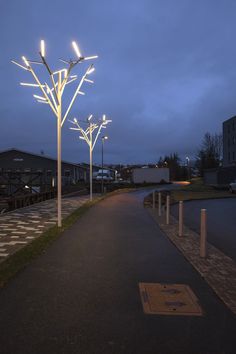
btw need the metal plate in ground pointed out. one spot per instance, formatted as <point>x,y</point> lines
<point>169,299</point>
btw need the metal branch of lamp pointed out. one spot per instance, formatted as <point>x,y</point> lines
<point>90,136</point>
<point>52,95</point>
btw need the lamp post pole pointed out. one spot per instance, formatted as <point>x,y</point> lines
<point>53,96</point>
<point>59,218</point>
<point>102,162</point>
<point>103,139</point>
<point>91,161</point>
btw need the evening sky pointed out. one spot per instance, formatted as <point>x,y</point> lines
<point>165,74</point>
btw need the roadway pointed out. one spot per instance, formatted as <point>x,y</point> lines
<point>82,295</point>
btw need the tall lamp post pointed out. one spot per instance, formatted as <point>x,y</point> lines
<point>105,137</point>
<point>52,95</point>
<point>90,135</point>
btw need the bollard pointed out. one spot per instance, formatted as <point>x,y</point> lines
<point>180,218</point>
<point>167,210</point>
<point>153,199</point>
<point>203,234</point>
<point>159,203</point>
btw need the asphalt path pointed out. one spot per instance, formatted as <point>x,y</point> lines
<point>221,221</point>
<point>82,296</point>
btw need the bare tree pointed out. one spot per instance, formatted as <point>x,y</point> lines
<point>210,153</point>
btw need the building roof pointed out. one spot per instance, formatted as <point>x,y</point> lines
<point>41,156</point>
<point>227,120</point>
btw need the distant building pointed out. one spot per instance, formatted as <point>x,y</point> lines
<point>38,173</point>
<point>229,142</point>
<point>150,175</point>
<point>97,168</point>
<point>227,172</point>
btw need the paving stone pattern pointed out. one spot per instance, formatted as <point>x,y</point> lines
<point>19,227</point>
<point>217,269</point>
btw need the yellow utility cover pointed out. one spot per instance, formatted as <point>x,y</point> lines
<point>169,299</point>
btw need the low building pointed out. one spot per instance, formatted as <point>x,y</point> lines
<point>151,175</point>
<point>20,170</point>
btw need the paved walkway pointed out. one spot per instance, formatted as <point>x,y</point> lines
<point>217,269</point>
<point>82,295</point>
<point>19,227</point>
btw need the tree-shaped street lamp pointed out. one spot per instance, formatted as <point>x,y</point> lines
<point>52,95</point>
<point>90,135</point>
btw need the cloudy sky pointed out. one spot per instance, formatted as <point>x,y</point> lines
<point>166,74</point>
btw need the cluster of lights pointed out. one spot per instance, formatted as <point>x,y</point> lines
<point>87,134</point>
<point>52,95</point>
<point>42,53</point>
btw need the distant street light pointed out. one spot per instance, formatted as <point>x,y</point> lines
<point>103,139</point>
<point>53,96</point>
<point>87,135</point>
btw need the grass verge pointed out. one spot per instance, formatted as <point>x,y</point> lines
<point>197,190</point>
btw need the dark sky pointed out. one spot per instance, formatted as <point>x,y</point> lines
<point>166,74</point>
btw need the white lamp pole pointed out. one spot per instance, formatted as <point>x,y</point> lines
<point>53,96</point>
<point>105,137</point>
<point>91,139</point>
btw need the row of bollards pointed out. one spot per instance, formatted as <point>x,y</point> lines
<point>203,221</point>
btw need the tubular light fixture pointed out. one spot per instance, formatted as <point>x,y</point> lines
<point>90,71</point>
<point>90,81</point>
<point>28,84</point>
<point>76,49</point>
<point>25,61</point>
<point>92,57</point>
<point>41,101</point>
<point>42,48</point>
<point>40,98</point>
